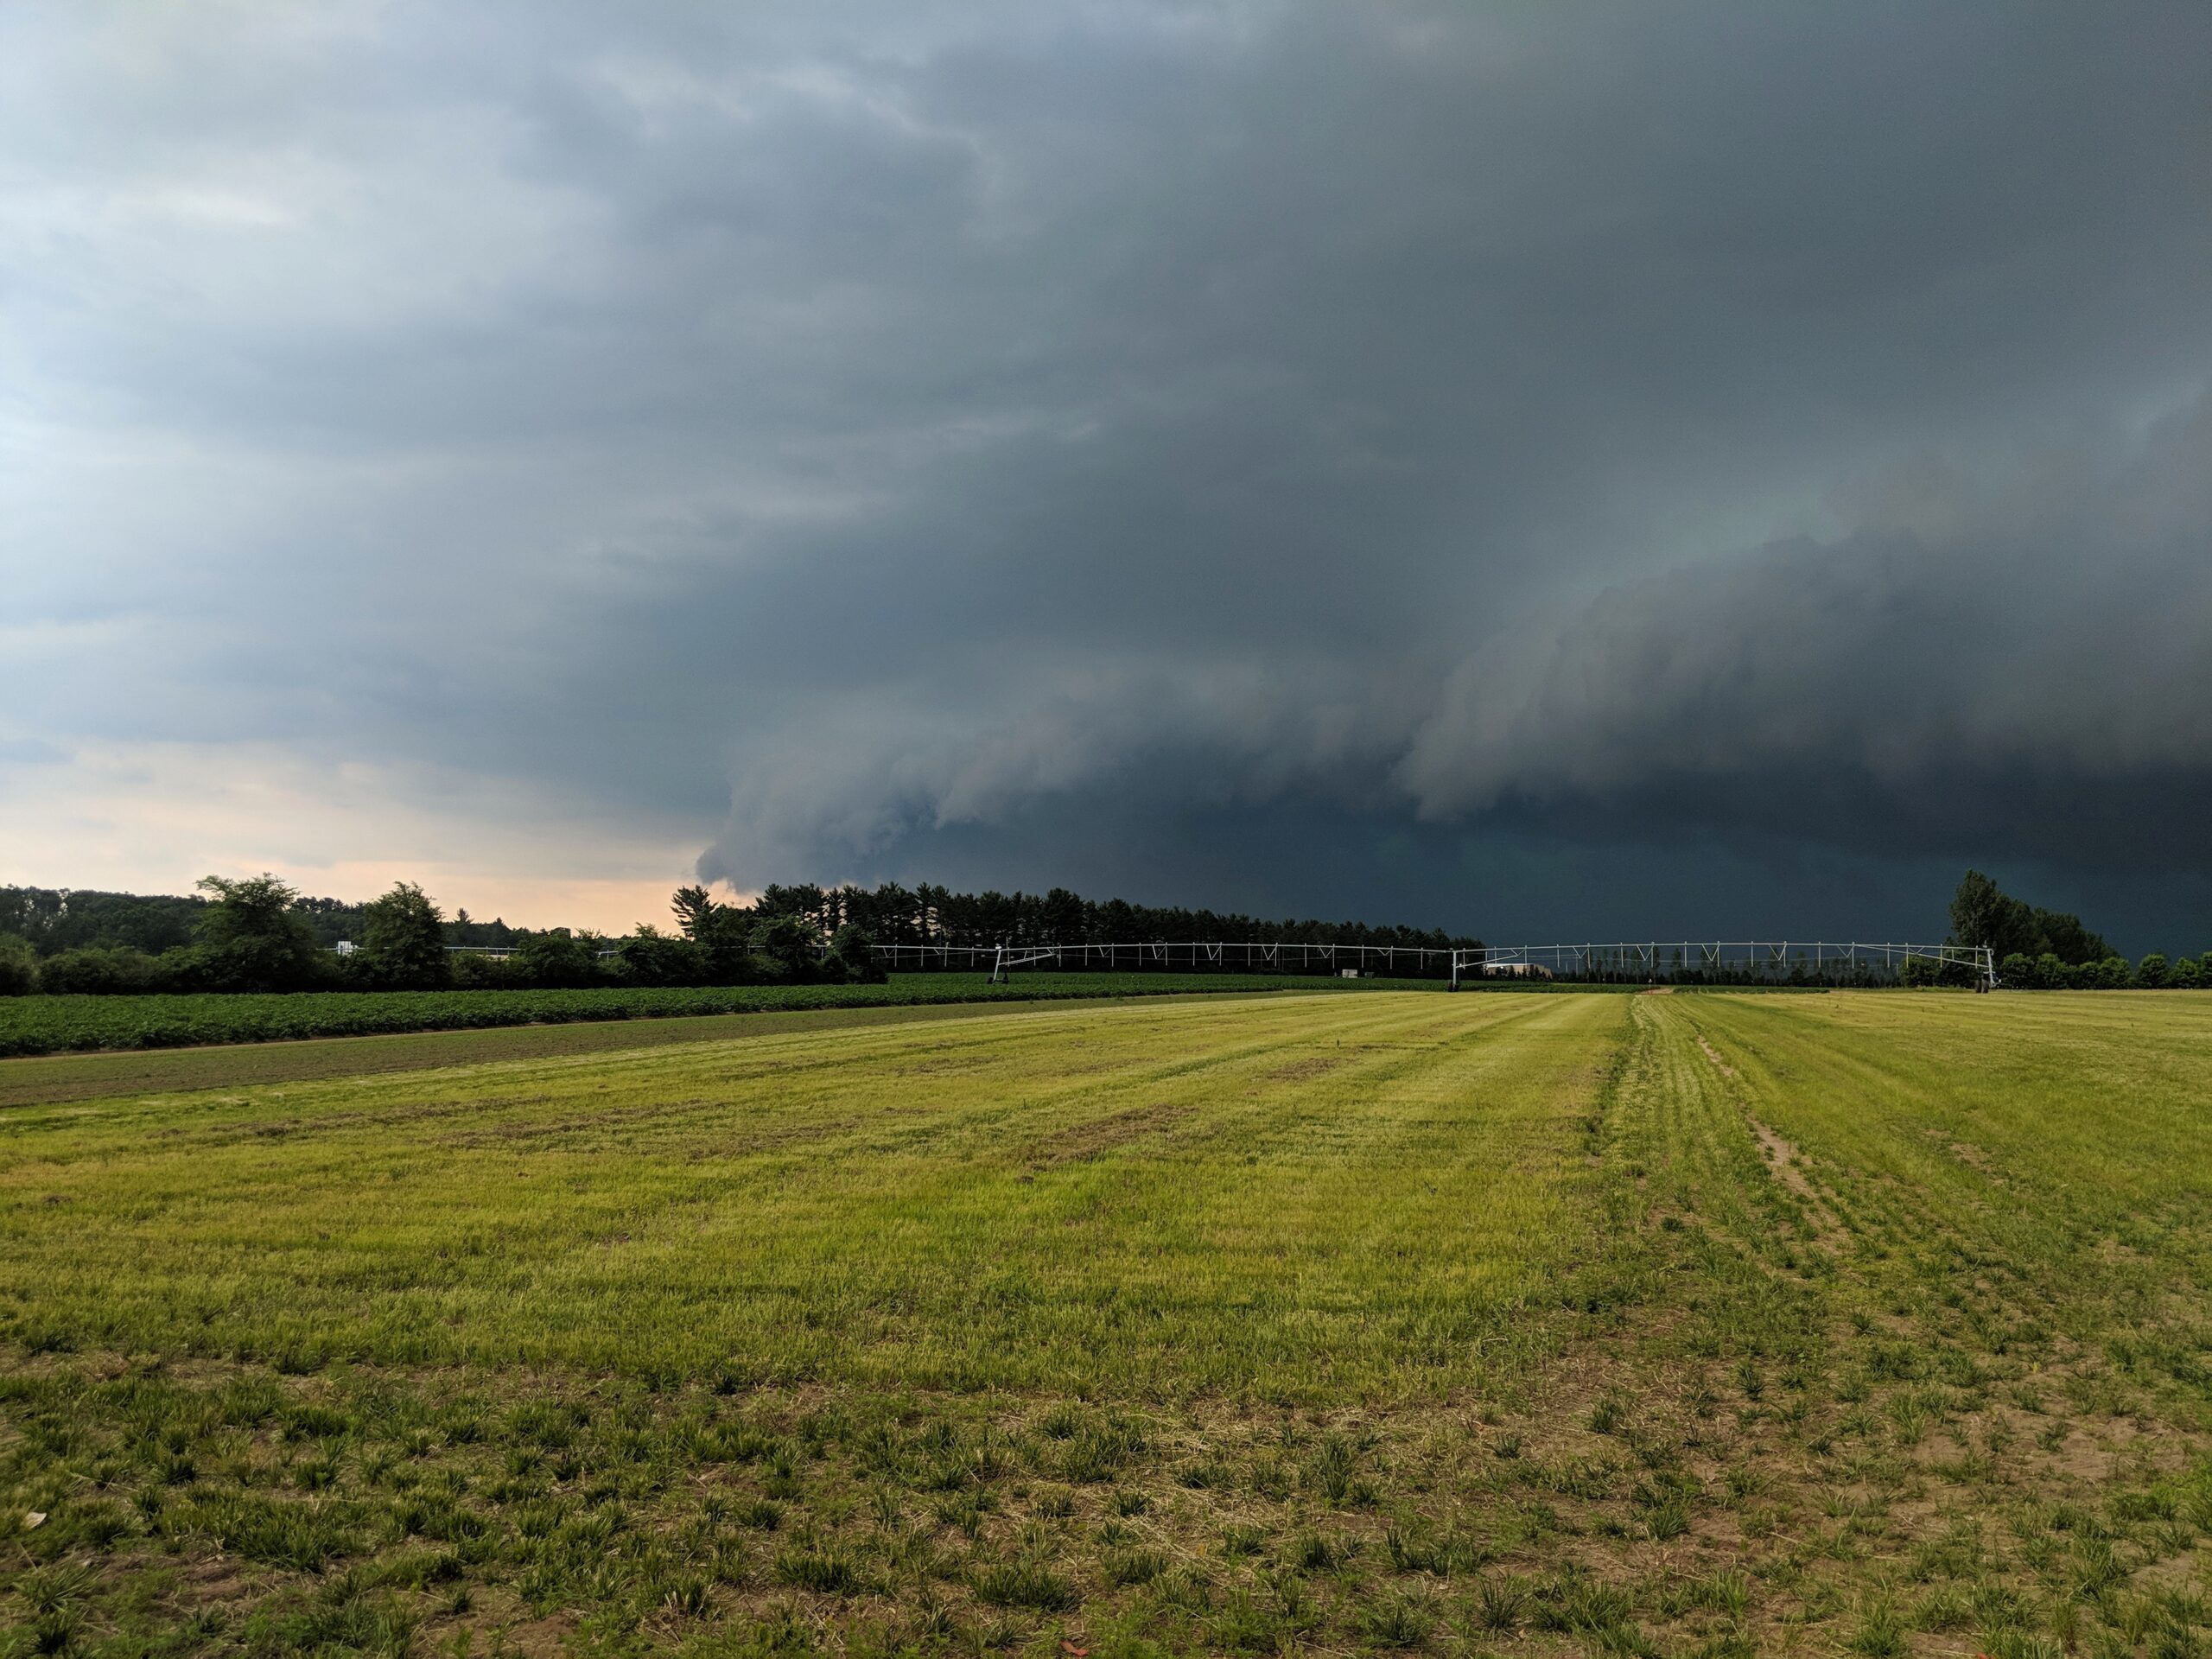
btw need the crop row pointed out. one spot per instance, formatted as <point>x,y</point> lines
<point>53,1025</point>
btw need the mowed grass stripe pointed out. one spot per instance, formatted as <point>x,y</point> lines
<point>47,1079</point>
<point>1156,1200</point>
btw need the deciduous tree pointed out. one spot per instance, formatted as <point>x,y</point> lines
<point>403,937</point>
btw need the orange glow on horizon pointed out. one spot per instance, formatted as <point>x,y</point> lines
<point>155,818</point>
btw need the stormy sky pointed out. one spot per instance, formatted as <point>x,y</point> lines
<point>1557,471</point>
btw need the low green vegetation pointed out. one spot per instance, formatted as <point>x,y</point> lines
<point>1684,1324</point>
<point>56,1025</point>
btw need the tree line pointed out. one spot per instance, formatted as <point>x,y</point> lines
<point>891,914</point>
<point>263,934</point>
<point>2040,950</point>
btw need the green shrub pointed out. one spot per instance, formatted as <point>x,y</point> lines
<point>18,968</point>
<point>822,1571</point>
<point>788,942</point>
<point>299,1535</point>
<point>556,960</point>
<point>98,972</point>
<point>473,971</point>
<point>1501,1604</point>
<point>1395,1622</point>
<point>1025,1584</point>
<point>852,954</point>
<point>650,957</point>
<point>1125,1567</point>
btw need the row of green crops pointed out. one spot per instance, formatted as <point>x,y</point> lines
<point>54,1025</point>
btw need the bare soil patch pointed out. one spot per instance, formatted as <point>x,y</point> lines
<point>1304,1070</point>
<point>1101,1135</point>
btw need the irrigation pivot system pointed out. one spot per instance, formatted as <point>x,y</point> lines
<point>1694,962</point>
<point>1818,960</point>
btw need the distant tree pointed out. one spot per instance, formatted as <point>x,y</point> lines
<point>402,935</point>
<point>473,970</point>
<point>805,900</point>
<point>2152,973</point>
<point>96,972</point>
<point>1065,919</point>
<point>854,951</point>
<point>930,903</point>
<point>722,933</point>
<point>465,929</point>
<point>891,914</point>
<point>2066,939</point>
<point>18,967</point>
<point>924,914</point>
<point>1983,914</point>
<point>650,956</point>
<point>706,921</point>
<point>789,946</point>
<point>696,911</point>
<point>558,960</point>
<point>70,918</point>
<point>2184,976</point>
<point>250,938</point>
<point>331,920</point>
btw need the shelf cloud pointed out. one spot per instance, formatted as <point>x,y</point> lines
<point>1292,456</point>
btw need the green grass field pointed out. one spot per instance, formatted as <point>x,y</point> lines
<point>1863,1322</point>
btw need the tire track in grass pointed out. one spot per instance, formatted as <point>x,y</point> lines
<point>1999,1352</point>
<point>1883,1101</point>
<point>1784,1160</point>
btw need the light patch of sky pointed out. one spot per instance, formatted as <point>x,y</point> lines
<point>156,817</point>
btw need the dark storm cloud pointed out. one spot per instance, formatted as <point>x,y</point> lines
<point>2028,667</point>
<point>884,433</point>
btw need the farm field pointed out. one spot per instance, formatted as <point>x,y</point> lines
<point>49,1078</point>
<point>1862,1322</point>
<point>57,1025</point>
